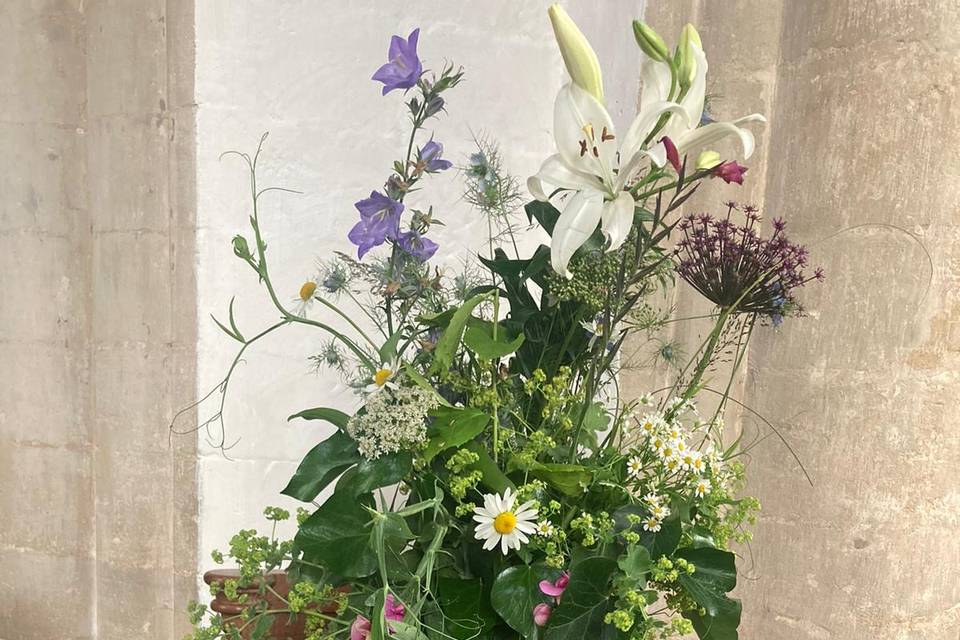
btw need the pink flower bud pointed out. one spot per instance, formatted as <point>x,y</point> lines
<point>541,614</point>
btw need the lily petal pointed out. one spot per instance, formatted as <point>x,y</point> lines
<point>639,130</point>
<point>709,134</point>
<point>617,219</point>
<point>655,78</point>
<point>584,133</point>
<point>555,173</point>
<point>574,226</point>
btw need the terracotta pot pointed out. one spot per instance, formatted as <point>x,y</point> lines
<point>284,627</point>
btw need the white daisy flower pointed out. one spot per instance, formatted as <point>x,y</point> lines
<point>687,459</point>
<point>500,522</point>
<point>645,400</point>
<point>652,499</point>
<point>305,297</point>
<point>651,423</point>
<point>657,443</point>
<point>382,377</point>
<point>672,463</point>
<point>701,487</point>
<point>697,463</point>
<point>660,512</point>
<point>667,450</point>
<point>635,466</point>
<point>545,529</point>
<point>651,524</point>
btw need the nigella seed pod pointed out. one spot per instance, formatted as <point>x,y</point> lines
<point>240,247</point>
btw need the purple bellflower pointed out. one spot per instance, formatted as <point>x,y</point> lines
<point>430,158</point>
<point>404,69</point>
<point>379,220</point>
<point>417,246</point>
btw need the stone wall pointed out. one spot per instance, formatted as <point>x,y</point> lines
<point>861,156</point>
<point>98,318</point>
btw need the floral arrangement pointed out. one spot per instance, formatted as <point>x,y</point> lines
<point>493,482</point>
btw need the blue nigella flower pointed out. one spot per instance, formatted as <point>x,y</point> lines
<point>379,220</point>
<point>404,68</point>
<point>417,246</point>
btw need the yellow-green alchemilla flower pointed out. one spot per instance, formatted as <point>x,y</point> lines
<point>685,129</point>
<point>594,163</point>
<point>578,55</point>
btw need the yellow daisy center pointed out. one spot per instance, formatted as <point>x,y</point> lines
<point>307,290</point>
<point>381,376</point>
<point>505,523</point>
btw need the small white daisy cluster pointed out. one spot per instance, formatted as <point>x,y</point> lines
<point>393,420</point>
<point>666,457</point>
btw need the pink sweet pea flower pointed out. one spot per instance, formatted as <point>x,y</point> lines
<point>392,609</point>
<point>360,629</point>
<point>730,172</point>
<point>555,589</point>
<point>541,614</point>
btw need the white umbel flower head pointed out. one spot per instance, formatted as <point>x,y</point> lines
<point>499,521</point>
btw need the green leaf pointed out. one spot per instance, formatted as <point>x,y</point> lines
<point>595,420</point>
<point>337,536</point>
<point>492,477</point>
<point>453,427</point>
<point>262,628</point>
<point>422,382</point>
<point>570,479</point>
<point>405,631</point>
<point>585,602</point>
<point>321,466</point>
<point>450,339</point>
<point>335,417</point>
<point>373,474</point>
<point>660,543</point>
<point>636,563</point>
<point>466,611</point>
<point>388,350</point>
<point>478,337</point>
<point>715,575</point>
<point>516,591</point>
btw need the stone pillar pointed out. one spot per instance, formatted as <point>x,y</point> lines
<point>98,318</point>
<point>862,159</point>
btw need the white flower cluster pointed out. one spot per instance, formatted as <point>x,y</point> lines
<point>393,420</point>
<point>666,458</point>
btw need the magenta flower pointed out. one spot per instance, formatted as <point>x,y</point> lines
<point>417,246</point>
<point>541,614</point>
<point>404,68</point>
<point>430,158</point>
<point>730,172</point>
<point>555,589</point>
<point>379,220</point>
<point>672,154</point>
<point>392,609</point>
<point>360,629</point>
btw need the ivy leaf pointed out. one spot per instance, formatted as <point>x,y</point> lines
<point>569,479</point>
<point>516,591</point>
<point>337,537</point>
<point>465,609</point>
<point>715,575</point>
<point>478,337</point>
<point>373,474</point>
<point>321,466</point>
<point>585,602</point>
<point>453,427</point>
<point>335,417</point>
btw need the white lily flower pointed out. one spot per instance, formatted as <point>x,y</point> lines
<point>685,132</point>
<point>591,162</point>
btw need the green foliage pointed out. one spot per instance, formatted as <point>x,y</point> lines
<point>321,466</point>
<point>516,591</point>
<point>585,603</point>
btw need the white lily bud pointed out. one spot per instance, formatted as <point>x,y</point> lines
<point>686,62</point>
<point>650,41</point>
<point>578,55</point>
<point>708,160</point>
